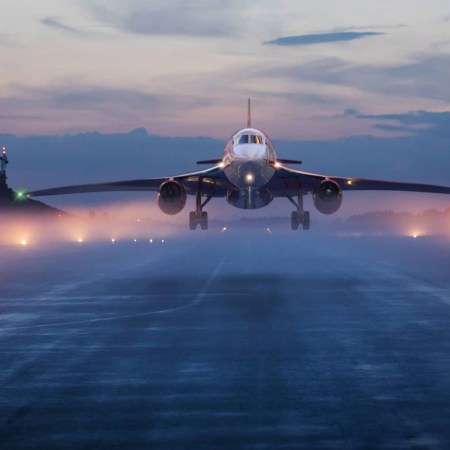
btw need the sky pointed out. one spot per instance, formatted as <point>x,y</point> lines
<point>314,69</point>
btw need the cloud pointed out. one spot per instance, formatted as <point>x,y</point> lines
<point>72,107</point>
<point>425,77</point>
<point>71,96</point>
<point>311,39</point>
<point>56,23</point>
<point>173,17</point>
<point>425,123</point>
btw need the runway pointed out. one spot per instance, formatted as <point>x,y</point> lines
<point>241,340</point>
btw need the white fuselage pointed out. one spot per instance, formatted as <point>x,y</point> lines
<point>249,159</point>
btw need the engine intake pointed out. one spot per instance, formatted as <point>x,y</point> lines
<point>171,197</point>
<point>328,197</point>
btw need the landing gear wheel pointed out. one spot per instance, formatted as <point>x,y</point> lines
<point>192,220</point>
<point>294,220</point>
<point>204,220</point>
<point>306,220</point>
<point>300,218</point>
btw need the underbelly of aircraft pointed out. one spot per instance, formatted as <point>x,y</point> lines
<point>249,178</point>
<point>250,198</point>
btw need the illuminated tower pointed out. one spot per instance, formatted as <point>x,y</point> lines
<point>4,162</point>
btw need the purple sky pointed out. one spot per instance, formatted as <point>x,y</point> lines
<point>186,68</point>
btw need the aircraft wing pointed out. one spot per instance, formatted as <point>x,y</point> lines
<point>214,183</point>
<point>286,181</point>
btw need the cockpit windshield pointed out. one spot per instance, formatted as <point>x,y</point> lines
<point>249,139</point>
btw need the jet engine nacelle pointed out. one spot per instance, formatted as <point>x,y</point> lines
<point>171,197</point>
<point>328,197</point>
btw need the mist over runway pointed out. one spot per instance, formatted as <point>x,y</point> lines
<point>240,340</point>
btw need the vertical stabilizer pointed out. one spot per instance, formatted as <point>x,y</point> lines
<point>249,115</point>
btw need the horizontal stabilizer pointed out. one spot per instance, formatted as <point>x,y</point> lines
<point>289,161</point>
<point>210,161</point>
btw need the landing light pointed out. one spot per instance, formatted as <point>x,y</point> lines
<point>277,165</point>
<point>249,178</point>
<point>349,182</point>
<point>221,165</point>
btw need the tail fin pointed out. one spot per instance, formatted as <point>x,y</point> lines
<point>249,115</point>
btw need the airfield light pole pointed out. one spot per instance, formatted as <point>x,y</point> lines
<point>4,162</point>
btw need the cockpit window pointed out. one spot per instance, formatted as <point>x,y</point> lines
<point>243,139</point>
<point>249,139</point>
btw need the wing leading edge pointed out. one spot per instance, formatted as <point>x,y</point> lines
<point>212,179</point>
<point>288,178</point>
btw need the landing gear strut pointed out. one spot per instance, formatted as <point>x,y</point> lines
<point>300,216</point>
<point>198,216</point>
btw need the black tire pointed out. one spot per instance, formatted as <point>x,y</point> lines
<point>204,220</point>
<point>294,220</point>
<point>192,220</point>
<point>306,220</point>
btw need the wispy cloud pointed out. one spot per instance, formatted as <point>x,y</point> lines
<point>57,23</point>
<point>322,38</point>
<point>173,17</point>
<point>425,77</point>
<point>71,96</point>
<point>412,122</point>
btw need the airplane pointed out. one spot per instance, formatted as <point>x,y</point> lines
<point>249,176</point>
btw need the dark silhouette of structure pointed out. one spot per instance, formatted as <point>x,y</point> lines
<point>6,194</point>
<point>16,201</point>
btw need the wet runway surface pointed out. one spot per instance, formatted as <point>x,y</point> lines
<point>242,341</point>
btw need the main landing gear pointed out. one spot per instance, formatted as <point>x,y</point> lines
<point>198,216</point>
<point>300,216</point>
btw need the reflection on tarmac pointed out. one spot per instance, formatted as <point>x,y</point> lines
<point>239,341</point>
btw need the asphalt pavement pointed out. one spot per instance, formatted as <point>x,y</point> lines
<point>241,340</point>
